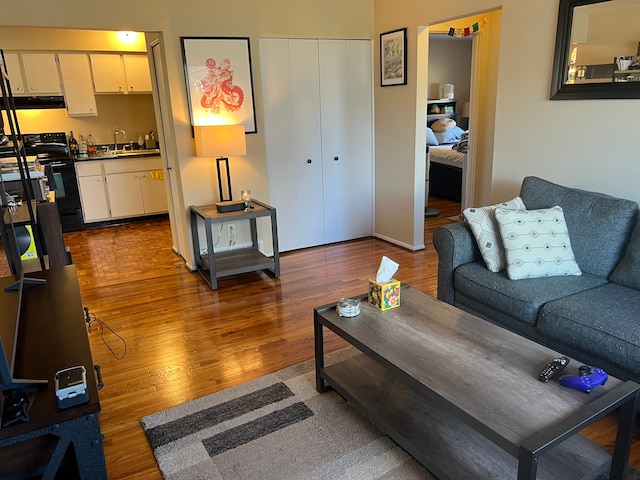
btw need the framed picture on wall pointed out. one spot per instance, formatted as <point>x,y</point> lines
<point>393,58</point>
<point>219,81</point>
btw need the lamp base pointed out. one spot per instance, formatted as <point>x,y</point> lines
<point>231,206</point>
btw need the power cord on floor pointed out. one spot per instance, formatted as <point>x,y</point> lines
<point>91,320</point>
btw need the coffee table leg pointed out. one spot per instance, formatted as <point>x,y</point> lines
<point>319,347</point>
<point>624,438</point>
<point>527,465</point>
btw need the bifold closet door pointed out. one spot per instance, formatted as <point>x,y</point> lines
<point>347,159</point>
<point>292,133</point>
<point>318,132</point>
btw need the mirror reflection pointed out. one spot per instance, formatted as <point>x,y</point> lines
<point>605,43</point>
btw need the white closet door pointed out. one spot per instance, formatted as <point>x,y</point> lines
<point>318,134</point>
<point>306,141</point>
<point>334,102</point>
<point>278,125</point>
<point>359,134</point>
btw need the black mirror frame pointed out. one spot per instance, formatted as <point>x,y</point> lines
<point>560,90</point>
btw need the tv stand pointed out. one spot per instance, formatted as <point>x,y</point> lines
<point>52,336</point>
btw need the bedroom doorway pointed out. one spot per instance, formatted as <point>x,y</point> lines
<point>476,92</point>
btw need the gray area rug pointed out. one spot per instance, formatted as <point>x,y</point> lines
<point>275,427</point>
<point>278,427</point>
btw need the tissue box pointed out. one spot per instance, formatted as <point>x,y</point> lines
<point>384,295</point>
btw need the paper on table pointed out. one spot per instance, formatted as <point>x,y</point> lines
<point>386,270</point>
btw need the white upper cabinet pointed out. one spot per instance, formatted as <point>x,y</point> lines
<point>115,73</point>
<point>136,68</point>
<point>38,74</point>
<point>18,86</point>
<point>78,85</point>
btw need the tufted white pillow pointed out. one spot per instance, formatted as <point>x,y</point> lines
<point>536,243</point>
<point>485,230</point>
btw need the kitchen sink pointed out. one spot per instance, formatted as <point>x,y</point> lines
<point>127,153</point>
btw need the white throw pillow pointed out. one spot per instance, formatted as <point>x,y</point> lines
<point>536,243</point>
<point>485,230</point>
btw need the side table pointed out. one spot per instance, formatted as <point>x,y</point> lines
<point>240,260</point>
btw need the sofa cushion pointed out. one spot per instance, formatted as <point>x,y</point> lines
<point>522,299</point>
<point>602,321</point>
<point>599,225</point>
<point>536,243</point>
<point>485,230</point>
<point>627,272</point>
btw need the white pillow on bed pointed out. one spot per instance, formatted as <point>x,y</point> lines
<point>443,124</point>
<point>431,138</point>
<point>450,136</point>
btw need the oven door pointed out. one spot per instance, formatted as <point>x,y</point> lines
<point>67,193</point>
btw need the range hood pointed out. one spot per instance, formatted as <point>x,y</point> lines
<point>46,102</point>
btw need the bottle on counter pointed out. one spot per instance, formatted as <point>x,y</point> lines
<point>91,145</point>
<point>73,144</point>
<point>82,146</point>
<point>140,140</point>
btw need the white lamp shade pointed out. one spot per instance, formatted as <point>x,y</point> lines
<point>220,140</point>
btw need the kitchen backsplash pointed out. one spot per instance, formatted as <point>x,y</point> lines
<point>131,113</point>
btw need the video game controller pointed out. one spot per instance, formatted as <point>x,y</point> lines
<point>588,378</point>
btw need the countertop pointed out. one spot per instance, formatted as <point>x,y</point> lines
<point>118,154</point>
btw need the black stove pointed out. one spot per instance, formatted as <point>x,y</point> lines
<point>46,147</point>
<point>52,151</point>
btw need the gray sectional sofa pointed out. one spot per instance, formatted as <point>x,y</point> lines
<point>593,317</point>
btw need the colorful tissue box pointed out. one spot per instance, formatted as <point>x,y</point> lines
<point>384,295</point>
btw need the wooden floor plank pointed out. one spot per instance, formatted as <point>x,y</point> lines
<point>184,340</point>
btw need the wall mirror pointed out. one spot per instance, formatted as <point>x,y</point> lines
<point>597,53</point>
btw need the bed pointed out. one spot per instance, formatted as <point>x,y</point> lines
<point>446,171</point>
<point>446,165</point>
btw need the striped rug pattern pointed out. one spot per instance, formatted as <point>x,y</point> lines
<point>275,427</point>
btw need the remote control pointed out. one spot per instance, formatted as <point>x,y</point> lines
<point>552,368</point>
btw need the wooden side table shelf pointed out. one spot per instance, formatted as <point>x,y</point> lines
<point>240,260</point>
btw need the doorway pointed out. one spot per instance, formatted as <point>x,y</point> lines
<point>477,114</point>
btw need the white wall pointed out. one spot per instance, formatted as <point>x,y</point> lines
<point>589,144</point>
<point>450,62</point>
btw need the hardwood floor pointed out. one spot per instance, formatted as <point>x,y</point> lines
<point>184,340</point>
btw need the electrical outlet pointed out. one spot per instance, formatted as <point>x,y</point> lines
<point>111,129</point>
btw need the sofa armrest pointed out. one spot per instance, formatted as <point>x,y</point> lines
<point>456,246</point>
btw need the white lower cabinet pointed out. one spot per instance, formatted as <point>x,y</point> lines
<point>120,188</point>
<point>95,205</point>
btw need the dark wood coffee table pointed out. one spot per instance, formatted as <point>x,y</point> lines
<point>462,395</point>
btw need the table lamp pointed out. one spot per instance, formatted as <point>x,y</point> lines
<point>221,141</point>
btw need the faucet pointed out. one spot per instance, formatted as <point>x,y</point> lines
<point>115,137</point>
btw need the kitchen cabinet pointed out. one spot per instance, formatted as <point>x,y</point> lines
<point>12,64</point>
<point>121,188</point>
<point>136,68</point>
<point>319,138</point>
<point>33,73</point>
<point>125,195</point>
<point>93,191</point>
<point>77,83</point>
<point>116,73</point>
